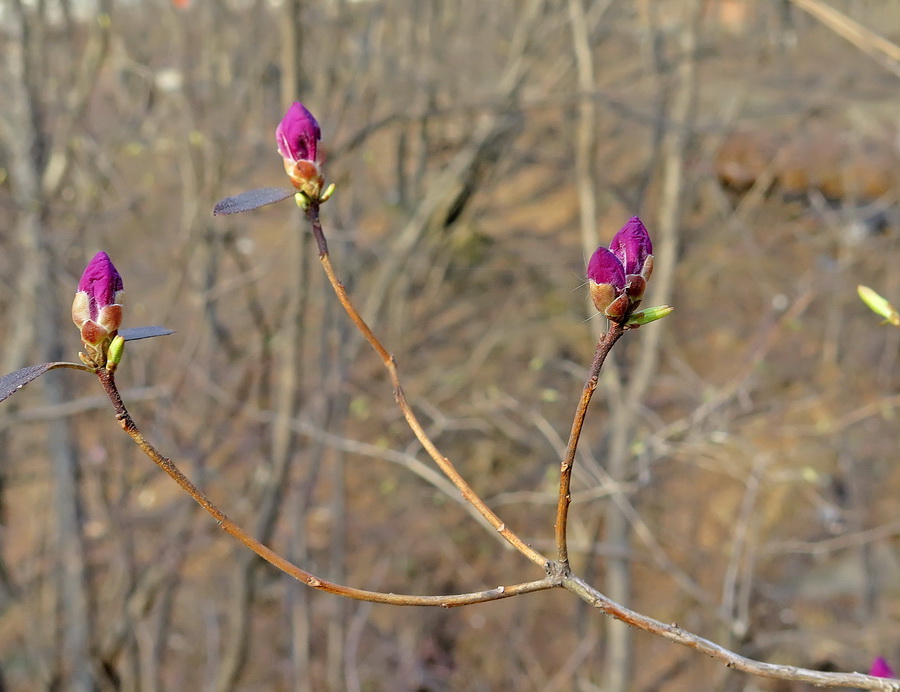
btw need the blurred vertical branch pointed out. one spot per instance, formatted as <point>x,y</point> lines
<point>586,185</point>
<point>291,27</point>
<point>287,374</point>
<point>585,135</point>
<point>283,445</point>
<point>293,79</point>
<point>623,423</point>
<point>456,184</point>
<point>40,155</point>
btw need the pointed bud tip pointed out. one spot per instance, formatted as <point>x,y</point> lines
<point>297,134</point>
<point>100,286</point>
<point>100,270</point>
<point>632,245</point>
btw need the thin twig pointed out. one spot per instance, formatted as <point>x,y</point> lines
<point>128,425</point>
<point>312,214</point>
<point>604,346</point>
<point>674,633</point>
<point>870,43</point>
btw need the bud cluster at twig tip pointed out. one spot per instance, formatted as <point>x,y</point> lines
<point>297,136</point>
<point>618,274</point>
<point>97,308</point>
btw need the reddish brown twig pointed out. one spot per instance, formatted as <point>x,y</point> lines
<point>604,346</point>
<point>301,575</point>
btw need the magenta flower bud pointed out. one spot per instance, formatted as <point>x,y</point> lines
<point>606,277</point>
<point>618,275</point>
<point>605,268</point>
<point>297,136</point>
<point>632,246</point>
<point>881,669</point>
<point>97,308</point>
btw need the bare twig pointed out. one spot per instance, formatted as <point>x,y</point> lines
<point>676,634</point>
<point>312,214</point>
<point>870,43</point>
<point>604,346</point>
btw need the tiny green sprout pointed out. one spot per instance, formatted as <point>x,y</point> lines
<point>648,315</point>
<point>302,201</point>
<point>326,195</point>
<point>879,305</point>
<point>114,352</point>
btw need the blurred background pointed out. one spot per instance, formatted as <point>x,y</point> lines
<point>737,473</point>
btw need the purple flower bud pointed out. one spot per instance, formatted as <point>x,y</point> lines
<point>618,275</point>
<point>101,283</point>
<point>632,246</point>
<point>881,669</point>
<point>607,279</point>
<point>297,134</point>
<point>97,308</point>
<point>605,268</point>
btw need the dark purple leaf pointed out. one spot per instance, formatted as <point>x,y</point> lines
<point>135,333</point>
<point>14,381</point>
<point>252,199</point>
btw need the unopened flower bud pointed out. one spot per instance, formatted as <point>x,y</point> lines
<point>297,136</point>
<point>618,275</point>
<point>97,308</point>
<point>606,277</point>
<point>632,246</point>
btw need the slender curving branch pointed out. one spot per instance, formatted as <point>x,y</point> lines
<point>107,379</point>
<point>604,346</point>
<point>312,215</point>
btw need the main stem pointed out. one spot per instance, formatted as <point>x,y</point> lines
<point>107,379</point>
<point>312,215</point>
<point>604,346</point>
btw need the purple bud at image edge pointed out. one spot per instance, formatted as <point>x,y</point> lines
<point>881,669</point>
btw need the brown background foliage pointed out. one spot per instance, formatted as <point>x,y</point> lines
<point>758,475</point>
